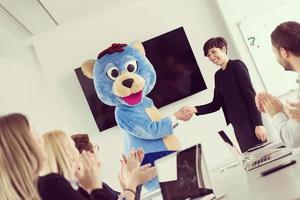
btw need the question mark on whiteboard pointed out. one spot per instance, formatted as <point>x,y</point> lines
<point>252,40</point>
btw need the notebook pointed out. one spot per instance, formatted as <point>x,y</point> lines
<point>184,175</point>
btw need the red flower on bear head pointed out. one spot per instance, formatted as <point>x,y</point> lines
<point>115,47</point>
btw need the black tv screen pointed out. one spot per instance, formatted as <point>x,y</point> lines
<point>178,76</point>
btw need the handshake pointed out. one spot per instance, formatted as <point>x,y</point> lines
<point>185,113</point>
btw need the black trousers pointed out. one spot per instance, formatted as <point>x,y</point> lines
<point>245,134</point>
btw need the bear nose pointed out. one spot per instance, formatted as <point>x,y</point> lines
<point>128,82</point>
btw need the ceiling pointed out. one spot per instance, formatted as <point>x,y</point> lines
<point>22,19</point>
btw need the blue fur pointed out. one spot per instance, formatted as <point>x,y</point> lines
<point>138,128</point>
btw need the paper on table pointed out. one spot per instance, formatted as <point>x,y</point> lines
<point>166,168</point>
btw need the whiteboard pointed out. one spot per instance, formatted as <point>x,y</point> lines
<point>256,32</point>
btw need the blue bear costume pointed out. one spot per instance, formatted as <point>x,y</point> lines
<point>123,76</point>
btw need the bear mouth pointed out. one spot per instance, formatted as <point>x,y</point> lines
<point>134,98</point>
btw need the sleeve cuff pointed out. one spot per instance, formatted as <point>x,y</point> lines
<point>198,109</point>
<point>278,117</point>
<point>174,121</point>
<point>259,123</point>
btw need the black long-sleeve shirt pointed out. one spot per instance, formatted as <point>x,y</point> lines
<point>56,187</point>
<point>112,194</point>
<point>233,93</point>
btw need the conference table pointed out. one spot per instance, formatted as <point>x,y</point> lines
<point>234,183</point>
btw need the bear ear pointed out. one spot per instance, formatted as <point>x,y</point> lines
<point>87,68</point>
<point>138,46</point>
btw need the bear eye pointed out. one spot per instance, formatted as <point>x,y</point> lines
<point>131,66</point>
<point>113,73</point>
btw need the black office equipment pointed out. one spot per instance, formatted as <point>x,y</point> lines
<point>225,138</point>
<point>278,167</point>
<point>192,179</point>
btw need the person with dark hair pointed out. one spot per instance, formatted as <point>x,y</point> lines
<point>83,143</point>
<point>233,93</point>
<point>286,47</point>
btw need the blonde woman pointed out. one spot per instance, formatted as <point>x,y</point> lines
<point>62,159</point>
<point>61,154</point>
<point>20,159</point>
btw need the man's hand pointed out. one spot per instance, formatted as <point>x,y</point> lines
<point>270,104</point>
<point>258,103</point>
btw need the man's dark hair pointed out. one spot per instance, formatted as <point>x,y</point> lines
<point>217,42</point>
<point>287,35</point>
<point>82,142</point>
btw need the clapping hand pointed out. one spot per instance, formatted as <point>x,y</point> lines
<point>134,159</point>
<point>258,103</point>
<point>129,164</point>
<point>132,174</point>
<point>141,175</point>
<point>87,172</point>
<point>268,104</point>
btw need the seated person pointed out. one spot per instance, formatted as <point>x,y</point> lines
<point>21,158</point>
<point>285,40</point>
<point>82,143</point>
<point>63,159</point>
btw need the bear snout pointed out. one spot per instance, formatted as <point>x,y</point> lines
<point>128,82</point>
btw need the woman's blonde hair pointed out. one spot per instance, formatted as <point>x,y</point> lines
<point>56,144</point>
<point>20,159</point>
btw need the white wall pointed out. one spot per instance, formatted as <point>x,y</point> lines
<point>63,49</point>
<point>23,89</point>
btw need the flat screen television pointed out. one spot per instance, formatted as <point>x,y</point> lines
<point>178,76</point>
